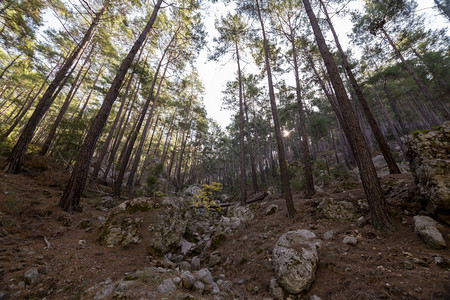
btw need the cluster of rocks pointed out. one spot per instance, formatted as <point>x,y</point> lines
<point>177,238</point>
<point>157,282</point>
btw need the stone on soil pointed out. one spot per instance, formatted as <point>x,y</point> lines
<point>167,286</point>
<point>31,276</point>
<point>338,210</point>
<point>350,240</point>
<point>427,230</point>
<point>295,260</point>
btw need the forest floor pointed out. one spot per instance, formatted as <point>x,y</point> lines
<point>35,232</point>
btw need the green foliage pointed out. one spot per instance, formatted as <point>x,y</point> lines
<point>340,171</point>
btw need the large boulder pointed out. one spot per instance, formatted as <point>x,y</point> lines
<point>428,153</point>
<point>426,228</point>
<point>338,210</point>
<point>295,260</point>
<point>159,222</point>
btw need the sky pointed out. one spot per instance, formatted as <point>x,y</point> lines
<point>215,75</point>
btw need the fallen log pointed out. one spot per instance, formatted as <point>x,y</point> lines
<point>254,198</point>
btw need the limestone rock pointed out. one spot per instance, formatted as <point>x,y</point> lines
<point>295,260</point>
<point>124,233</point>
<point>350,240</point>
<point>184,266</point>
<point>275,290</point>
<point>199,286</point>
<point>233,222</point>
<point>338,210</point>
<point>185,246</point>
<point>192,190</point>
<point>328,235</point>
<point>427,230</point>
<point>243,212</point>
<point>31,276</point>
<point>214,258</point>
<point>428,153</point>
<point>107,202</point>
<point>273,208</point>
<point>160,222</point>
<point>188,280</point>
<point>167,287</point>
<point>195,263</point>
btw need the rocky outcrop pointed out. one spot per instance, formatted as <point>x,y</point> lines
<point>295,260</point>
<point>426,227</point>
<point>159,222</point>
<point>338,210</point>
<point>428,153</point>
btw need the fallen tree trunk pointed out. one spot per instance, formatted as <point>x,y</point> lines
<point>255,198</point>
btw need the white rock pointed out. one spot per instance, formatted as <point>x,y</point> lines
<point>167,286</point>
<point>427,230</point>
<point>295,260</point>
<point>350,240</point>
<point>188,279</point>
<point>31,276</point>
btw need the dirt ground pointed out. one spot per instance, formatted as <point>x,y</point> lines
<point>34,232</point>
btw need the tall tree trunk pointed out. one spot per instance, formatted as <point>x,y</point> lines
<point>281,153</point>
<point>65,106</point>
<point>85,104</point>
<point>137,158</point>
<point>106,145</point>
<point>375,197</point>
<point>70,200</point>
<point>382,144</point>
<point>394,107</point>
<point>390,122</point>
<point>125,159</point>
<point>260,158</point>
<point>310,190</point>
<point>241,133</point>
<point>15,158</point>
<point>120,132</point>
<point>251,149</point>
<point>423,88</point>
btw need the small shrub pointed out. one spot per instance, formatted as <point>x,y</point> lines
<point>340,171</point>
<point>208,196</point>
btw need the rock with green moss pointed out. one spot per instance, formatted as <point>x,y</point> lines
<point>158,222</point>
<point>338,210</point>
<point>428,153</point>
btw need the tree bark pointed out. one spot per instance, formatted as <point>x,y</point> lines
<point>15,159</point>
<point>241,133</point>
<point>251,149</point>
<point>310,190</point>
<point>382,144</point>
<point>70,200</point>
<point>281,152</point>
<point>66,104</point>
<point>375,197</point>
<point>126,158</point>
